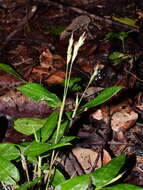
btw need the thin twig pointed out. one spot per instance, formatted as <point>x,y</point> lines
<point>21,24</point>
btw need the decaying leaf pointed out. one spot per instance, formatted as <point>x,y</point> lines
<point>88,158</point>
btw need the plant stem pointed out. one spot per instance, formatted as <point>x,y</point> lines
<point>83,94</point>
<point>71,55</point>
<point>4,186</point>
<point>39,166</point>
<point>24,165</point>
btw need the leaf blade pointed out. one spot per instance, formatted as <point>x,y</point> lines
<point>127,21</point>
<point>103,176</point>
<point>38,93</point>
<point>37,148</point>
<point>10,70</point>
<point>49,126</point>
<point>8,151</point>
<point>8,172</point>
<point>28,126</point>
<point>76,183</point>
<point>103,96</point>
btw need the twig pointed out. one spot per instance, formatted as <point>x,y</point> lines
<point>97,18</point>
<point>21,24</point>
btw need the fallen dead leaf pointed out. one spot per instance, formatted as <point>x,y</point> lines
<point>56,78</point>
<point>46,59</point>
<point>122,120</point>
<point>106,157</point>
<point>87,158</point>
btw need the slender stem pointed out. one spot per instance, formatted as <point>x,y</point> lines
<point>35,171</point>
<point>39,166</point>
<point>4,186</point>
<point>24,165</point>
<point>83,94</point>
<point>71,54</point>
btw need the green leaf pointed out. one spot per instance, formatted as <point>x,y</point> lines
<point>123,187</point>
<point>73,84</point>
<point>61,132</point>
<point>32,160</point>
<point>56,31</point>
<point>38,93</point>
<point>105,175</point>
<point>112,35</point>
<point>30,184</point>
<point>8,172</point>
<point>58,178</point>
<point>103,96</point>
<point>117,35</point>
<point>8,151</point>
<point>127,21</point>
<point>37,148</point>
<point>11,71</point>
<point>116,55</point>
<point>67,139</point>
<point>49,126</point>
<point>28,126</point>
<point>76,183</point>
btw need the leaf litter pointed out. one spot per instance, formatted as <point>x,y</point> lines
<point>113,128</point>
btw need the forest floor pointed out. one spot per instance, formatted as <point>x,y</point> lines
<point>34,39</point>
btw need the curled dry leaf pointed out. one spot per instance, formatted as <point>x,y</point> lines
<point>46,59</point>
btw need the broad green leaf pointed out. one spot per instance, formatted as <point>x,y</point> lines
<point>56,31</point>
<point>76,183</point>
<point>8,151</point>
<point>38,93</point>
<point>49,126</point>
<point>37,148</point>
<point>116,55</point>
<point>103,176</point>
<point>103,96</point>
<point>58,178</point>
<point>61,132</point>
<point>29,184</point>
<point>8,172</point>
<point>123,187</point>
<point>127,21</point>
<point>28,126</point>
<point>11,71</point>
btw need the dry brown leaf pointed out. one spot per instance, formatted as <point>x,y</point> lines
<point>56,78</point>
<point>46,59</point>
<point>87,158</point>
<point>122,120</point>
<point>106,157</point>
<point>97,115</point>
